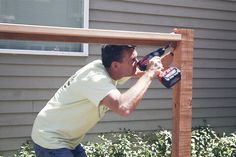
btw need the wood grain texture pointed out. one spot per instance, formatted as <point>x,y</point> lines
<point>182,96</point>
<point>48,33</point>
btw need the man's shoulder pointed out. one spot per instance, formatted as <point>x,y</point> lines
<point>97,63</point>
<point>93,68</point>
<point>96,66</point>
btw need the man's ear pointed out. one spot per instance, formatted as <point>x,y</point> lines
<point>115,65</point>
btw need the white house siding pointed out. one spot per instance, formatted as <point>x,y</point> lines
<point>28,81</point>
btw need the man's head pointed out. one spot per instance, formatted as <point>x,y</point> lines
<point>112,53</point>
<point>121,59</point>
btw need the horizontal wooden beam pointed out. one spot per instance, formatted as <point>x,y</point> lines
<point>65,34</point>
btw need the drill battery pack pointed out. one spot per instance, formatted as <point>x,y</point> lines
<point>170,77</point>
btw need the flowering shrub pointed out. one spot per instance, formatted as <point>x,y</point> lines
<point>204,143</point>
<point>132,144</point>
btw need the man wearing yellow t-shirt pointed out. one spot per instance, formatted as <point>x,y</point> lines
<point>86,96</point>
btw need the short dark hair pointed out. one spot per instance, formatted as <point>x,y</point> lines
<point>112,53</point>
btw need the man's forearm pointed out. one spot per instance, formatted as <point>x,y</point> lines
<point>132,97</point>
<point>125,103</point>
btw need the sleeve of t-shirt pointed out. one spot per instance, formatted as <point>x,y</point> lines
<point>96,86</point>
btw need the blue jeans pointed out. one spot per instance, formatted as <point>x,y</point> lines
<point>62,152</point>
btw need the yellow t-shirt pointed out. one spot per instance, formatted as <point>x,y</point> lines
<point>74,109</point>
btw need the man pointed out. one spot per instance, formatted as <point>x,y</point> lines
<point>86,96</point>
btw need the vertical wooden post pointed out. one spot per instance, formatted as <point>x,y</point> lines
<point>182,96</point>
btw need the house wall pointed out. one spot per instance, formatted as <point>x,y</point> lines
<point>28,81</point>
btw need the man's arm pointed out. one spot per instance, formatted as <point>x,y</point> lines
<point>125,103</point>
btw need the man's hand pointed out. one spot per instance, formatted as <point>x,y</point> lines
<point>166,61</point>
<point>154,66</point>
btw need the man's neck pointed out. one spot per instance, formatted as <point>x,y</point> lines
<point>114,75</point>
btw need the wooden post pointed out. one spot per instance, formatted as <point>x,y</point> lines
<point>182,96</point>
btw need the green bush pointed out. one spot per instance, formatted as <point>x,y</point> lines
<point>26,150</point>
<point>204,143</point>
<point>132,144</point>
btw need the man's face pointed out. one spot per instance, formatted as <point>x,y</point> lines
<point>128,66</point>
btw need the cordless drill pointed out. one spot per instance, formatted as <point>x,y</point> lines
<point>168,77</point>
